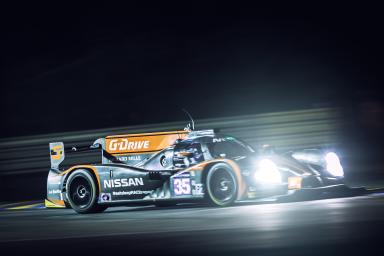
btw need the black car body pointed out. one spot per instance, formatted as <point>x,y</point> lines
<point>171,167</point>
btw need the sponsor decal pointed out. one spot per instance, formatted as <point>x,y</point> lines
<point>126,145</point>
<point>163,161</point>
<point>54,191</point>
<point>198,189</point>
<point>252,189</point>
<point>182,186</point>
<point>54,180</point>
<point>128,193</point>
<point>57,152</point>
<point>134,144</point>
<point>105,197</point>
<point>117,183</point>
<point>129,158</point>
<point>294,182</point>
<point>214,140</point>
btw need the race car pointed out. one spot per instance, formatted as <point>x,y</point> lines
<point>166,168</point>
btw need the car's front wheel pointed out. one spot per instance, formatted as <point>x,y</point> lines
<point>221,184</point>
<point>82,192</point>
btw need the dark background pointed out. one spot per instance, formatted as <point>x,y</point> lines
<point>70,68</point>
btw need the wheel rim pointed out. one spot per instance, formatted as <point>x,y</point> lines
<point>81,192</point>
<point>222,185</point>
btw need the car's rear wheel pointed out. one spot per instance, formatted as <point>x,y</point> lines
<point>82,192</point>
<point>222,185</point>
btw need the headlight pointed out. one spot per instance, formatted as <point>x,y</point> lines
<point>333,165</point>
<point>267,172</point>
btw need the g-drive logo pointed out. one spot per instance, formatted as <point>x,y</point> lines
<point>117,183</point>
<point>124,144</point>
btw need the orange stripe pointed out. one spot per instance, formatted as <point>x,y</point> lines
<point>58,202</point>
<point>142,143</point>
<point>85,167</point>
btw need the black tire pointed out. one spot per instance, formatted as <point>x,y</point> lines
<point>82,192</point>
<point>221,185</point>
<point>67,205</point>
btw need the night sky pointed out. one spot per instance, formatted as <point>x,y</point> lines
<point>66,69</point>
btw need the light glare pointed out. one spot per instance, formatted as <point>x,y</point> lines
<point>333,164</point>
<point>267,172</point>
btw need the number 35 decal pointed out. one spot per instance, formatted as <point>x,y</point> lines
<point>182,186</point>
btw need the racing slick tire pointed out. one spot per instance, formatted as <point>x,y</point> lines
<point>67,205</point>
<point>222,185</point>
<point>82,192</point>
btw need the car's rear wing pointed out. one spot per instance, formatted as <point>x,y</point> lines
<point>57,151</point>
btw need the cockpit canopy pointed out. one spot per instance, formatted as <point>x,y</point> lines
<point>193,151</point>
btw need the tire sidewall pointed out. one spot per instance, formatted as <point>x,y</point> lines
<point>86,175</point>
<point>209,195</point>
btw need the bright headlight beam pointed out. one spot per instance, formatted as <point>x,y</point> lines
<point>267,172</point>
<point>333,164</point>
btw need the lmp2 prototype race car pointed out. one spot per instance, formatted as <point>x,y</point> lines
<point>166,168</point>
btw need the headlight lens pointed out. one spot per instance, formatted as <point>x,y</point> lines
<point>267,172</point>
<point>333,165</point>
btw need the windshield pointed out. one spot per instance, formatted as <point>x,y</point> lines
<point>230,147</point>
<point>186,154</point>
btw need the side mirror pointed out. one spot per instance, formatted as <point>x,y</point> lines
<point>98,143</point>
<point>94,146</point>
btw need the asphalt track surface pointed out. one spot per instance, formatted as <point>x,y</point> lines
<point>339,226</point>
